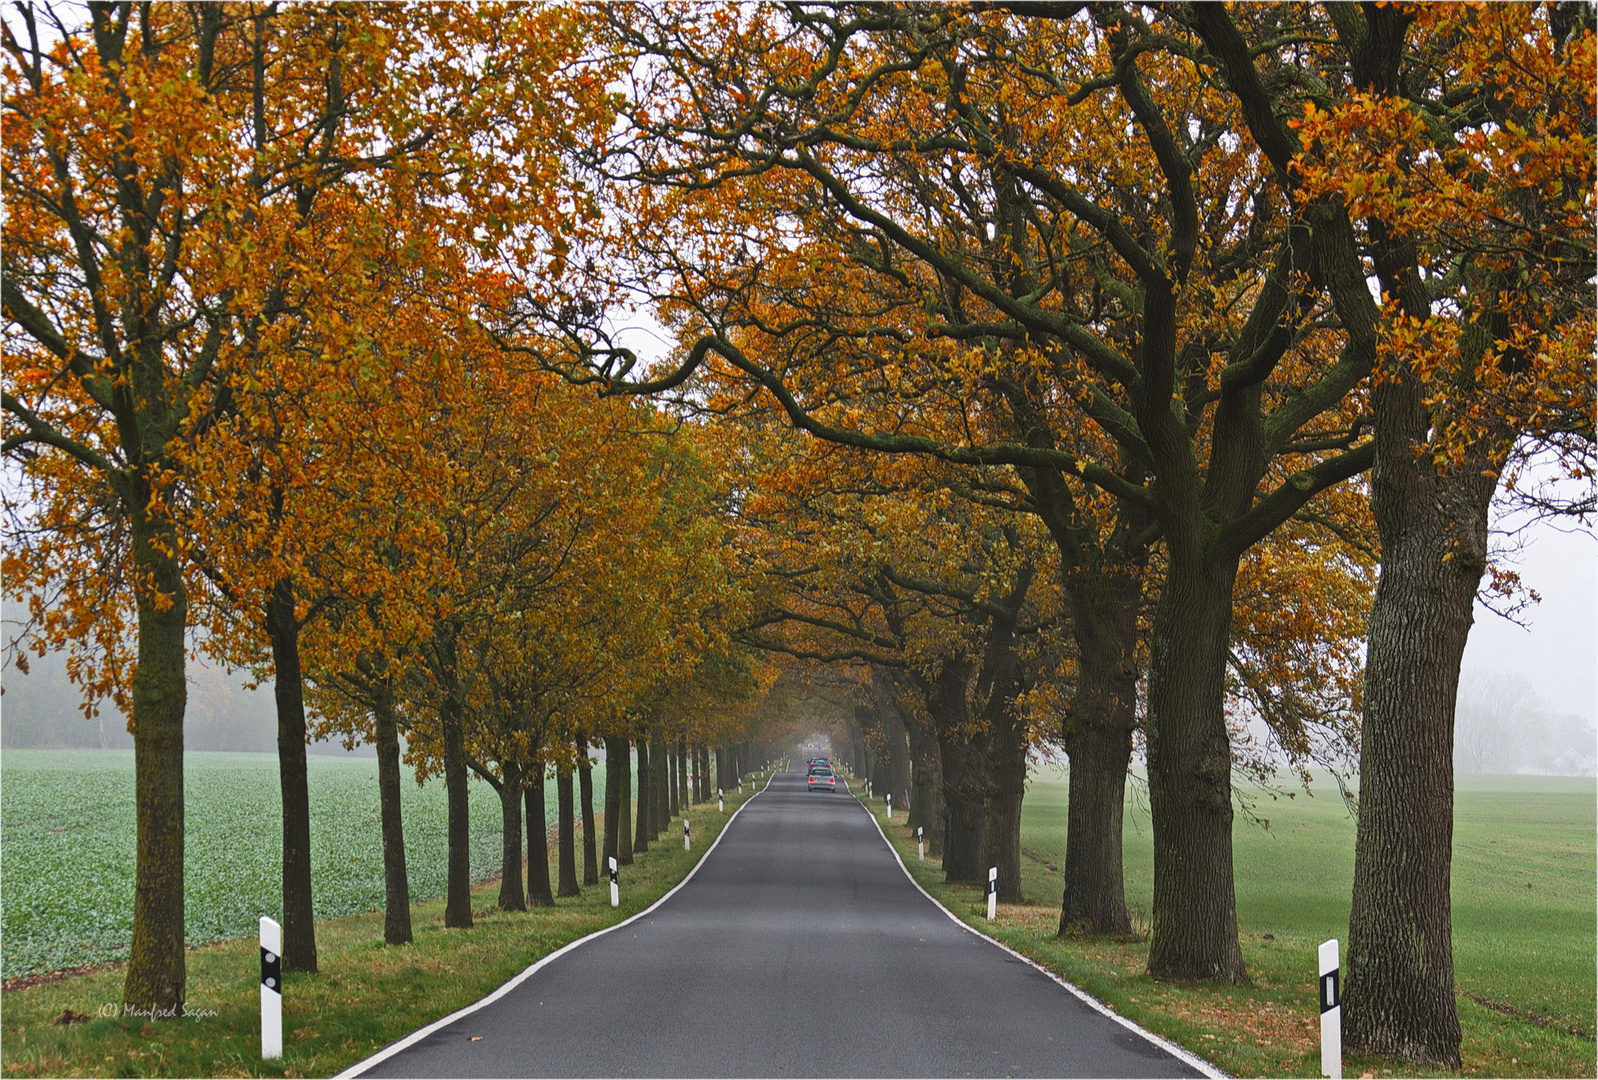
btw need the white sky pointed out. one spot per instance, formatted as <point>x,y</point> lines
<point>1558,650</point>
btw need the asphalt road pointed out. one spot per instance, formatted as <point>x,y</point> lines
<point>800,948</point>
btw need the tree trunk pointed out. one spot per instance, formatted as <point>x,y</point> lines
<point>1399,996</point>
<point>538,894</point>
<point>511,895</point>
<point>585,792</point>
<point>624,819</point>
<point>1006,788</point>
<point>1194,922</point>
<point>682,774</point>
<point>458,859</point>
<point>926,781</point>
<point>614,814</point>
<point>721,767</point>
<point>299,915</point>
<point>965,783</point>
<point>1001,685</point>
<point>645,829</point>
<point>396,882</point>
<point>660,784</point>
<point>1098,738</point>
<point>704,773</point>
<point>568,827</point>
<point>157,964</point>
<point>674,798</point>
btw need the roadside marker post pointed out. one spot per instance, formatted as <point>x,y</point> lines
<point>721,803</point>
<point>271,989</point>
<point>685,845</point>
<point>868,787</point>
<point>615,884</point>
<point>993,892</point>
<point>1331,1013</point>
<point>890,806</point>
<point>921,845</point>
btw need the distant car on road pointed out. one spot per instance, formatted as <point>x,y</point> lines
<point>822,779</point>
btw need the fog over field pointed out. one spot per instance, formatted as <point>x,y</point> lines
<point>1526,697</point>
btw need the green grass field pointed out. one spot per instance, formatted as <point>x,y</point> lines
<point>365,995</point>
<point>1525,901</point>
<point>67,847</point>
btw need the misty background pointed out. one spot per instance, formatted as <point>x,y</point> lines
<point>1528,693</point>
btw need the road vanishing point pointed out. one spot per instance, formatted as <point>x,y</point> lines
<point>798,948</point>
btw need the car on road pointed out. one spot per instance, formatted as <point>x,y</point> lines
<point>822,779</point>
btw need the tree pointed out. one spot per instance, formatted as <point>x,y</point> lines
<point>978,167</point>
<point>158,159</point>
<point>1461,141</point>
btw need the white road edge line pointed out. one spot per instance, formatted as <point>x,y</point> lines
<point>1181,1053</point>
<point>516,980</point>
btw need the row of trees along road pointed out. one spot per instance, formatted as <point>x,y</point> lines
<point>1177,275</point>
<point>246,253</point>
<point>1050,370</point>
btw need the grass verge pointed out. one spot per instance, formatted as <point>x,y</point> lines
<point>365,996</point>
<point>1271,1027</point>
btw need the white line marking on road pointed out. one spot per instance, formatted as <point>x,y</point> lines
<point>1181,1053</point>
<point>516,980</point>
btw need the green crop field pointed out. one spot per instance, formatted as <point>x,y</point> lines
<point>1525,886</point>
<point>67,847</point>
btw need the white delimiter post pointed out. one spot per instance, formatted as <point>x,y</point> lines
<point>993,892</point>
<point>685,845</point>
<point>890,806</point>
<point>615,884</point>
<point>271,989</point>
<point>921,845</point>
<point>720,803</point>
<point>1331,1013</point>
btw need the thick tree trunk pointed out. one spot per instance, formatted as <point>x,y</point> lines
<point>567,814</point>
<point>614,815</point>
<point>623,764</point>
<point>645,829</point>
<point>705,786</point>
<point>1006,789</point>
<point>1098,738</point>
<point>1194,922</point>
<point>538,894</point>
<point>1002,682</point>
<point>157,964</point>
<point>1399,996</point>
<point>299,915</point>
<point>682,774</point>
<point>965,820</point>
<point>964,757</point>
<point>511,895</point>
<point>585,793</point>
<point>396,882</point>
<point>926,782</point>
